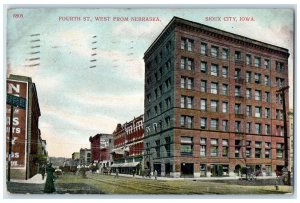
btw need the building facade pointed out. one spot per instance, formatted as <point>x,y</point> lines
<point>128,147</point>
<point>291,127</point>
<point>101,145</point>
<point>76,158</point>
<point>85,156</point>
<point>28,149</point>
<point>211,105</point>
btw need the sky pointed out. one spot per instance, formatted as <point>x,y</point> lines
<point>77,101</point>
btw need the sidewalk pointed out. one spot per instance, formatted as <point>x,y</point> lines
<point>193,178</point>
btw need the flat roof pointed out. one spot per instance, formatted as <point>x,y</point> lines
<point>176,19</point>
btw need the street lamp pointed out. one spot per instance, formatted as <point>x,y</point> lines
<point>286,159</point>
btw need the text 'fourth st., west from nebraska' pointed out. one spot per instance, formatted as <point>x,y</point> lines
<point>107,18</point>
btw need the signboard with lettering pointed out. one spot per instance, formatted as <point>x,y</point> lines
<point>17,93</point>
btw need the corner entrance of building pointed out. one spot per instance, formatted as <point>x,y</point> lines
<point>157,167</point>
<point>187,170</point>
<point>168,169</point>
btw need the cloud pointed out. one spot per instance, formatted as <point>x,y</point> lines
<point>145,31</point>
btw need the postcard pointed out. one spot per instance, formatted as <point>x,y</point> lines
<point>161,101</point>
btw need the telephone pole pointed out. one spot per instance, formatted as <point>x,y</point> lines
<point>286,157</point>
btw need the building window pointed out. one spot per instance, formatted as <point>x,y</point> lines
<point>267,153</point>
<point>186,146</point>
<point>279,130</point>
<point>225,71</point>
<point>279,150</point>
<point>248,110</point>
<point>237,109</point>
<point>279,67</point>
<point>203,122</point>
<point>214,51</point>
<point>267,96</point>
<point>267,129</point>
<point>157,148</point>
<point>214,105</point>
<point>248,93</point>
<point>279,114</point>
<point>248,59</point>
<point>168,121</point>
<point>248,76</point>
<point>225,107</point>
<point>237,152</point>
<point>186,121</point>
<point>187,44</point>
<point>267,63</point>
<point>267,113</point>
<point>213,147</point>
<point>267,80</point>
<point>168,66</point>
<point>203,67</point>
<point>214,70</point>
<point>248,152</point>
<point>237,125</point>
<point>257,149</point>
<point>202,147</point>
<point>257,128</point>
<point>203,104</point>
<point>149,97</point>
<point>186,102</point>
<point>160,90</point>
<point>214,124</point>
<point>278,99</point>
<point>187,63</point>
<point>225,53</point>
<point>248,148</point>
<point>257,78</point>
<point>238,56</point>
<point>257,95</point>
<point>167,146</point>
<point>168,84</point>
<point>168,102</point>
<point>187,82</point>
<point>203,86</point>
<point>279,82</point>
<point>257,61</point>
<point>248,127</point>
<point>258,112</point>
<point>224,89</point>
<point>225,148</point>
<point>237,91</point>
<point>214,88</point>
<point>190,83</point>
<point>237,73</point>
<point>203,48</point>
<point>155,110</point>
<point>225,125</point>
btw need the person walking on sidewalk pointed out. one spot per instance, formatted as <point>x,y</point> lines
<point>117,173</point>
<point>49,185</point>
<point>155,174</point>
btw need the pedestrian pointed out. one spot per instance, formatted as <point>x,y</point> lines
<point>49,185</point>
<point>155,174</point>
<point>117,173</point>
<point>43,172</point>
<point>133,172</point>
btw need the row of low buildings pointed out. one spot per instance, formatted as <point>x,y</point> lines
<point>211,107</point>
<point>29,154</point>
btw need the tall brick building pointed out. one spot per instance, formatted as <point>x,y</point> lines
<point>29,154</point>
<point>211,105</point>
